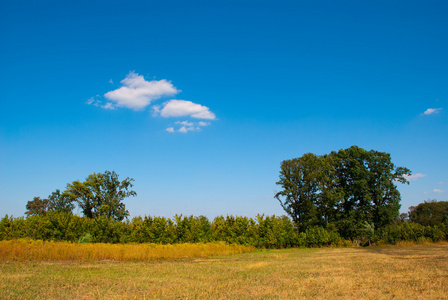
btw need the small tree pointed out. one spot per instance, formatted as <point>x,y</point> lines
<point>57,201</point>
<point>368,230</point>
<point>60,202</point>
<point>37,207</point>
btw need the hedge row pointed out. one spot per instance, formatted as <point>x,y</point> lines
<point>263,231</point>
<point>410,231</point>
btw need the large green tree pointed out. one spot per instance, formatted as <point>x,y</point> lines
<point>345,188</point>
<point>102,194</point>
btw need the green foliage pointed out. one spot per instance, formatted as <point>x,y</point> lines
<point>344,188</point>
<point>86,238</point>
<point>409,231</point>
<point>101,195</point>
<point>263,232</point>
<point>429,213</point>
<point>60,202</point>
<point>56,202</point>
<point>37,207</point>
<point>368,231</point>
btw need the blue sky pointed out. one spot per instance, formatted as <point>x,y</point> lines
<point>201,101</point>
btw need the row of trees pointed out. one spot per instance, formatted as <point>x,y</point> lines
<point>343,190</point>
<point>100,194</point>
<point>263,231</point>
<point>349,194</point>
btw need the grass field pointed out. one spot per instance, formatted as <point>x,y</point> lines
<point>400,272</point>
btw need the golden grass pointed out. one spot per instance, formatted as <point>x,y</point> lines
<point>410,272</point>
<point>20,250</point>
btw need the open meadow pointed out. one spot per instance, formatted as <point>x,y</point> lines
<point>401,272</point>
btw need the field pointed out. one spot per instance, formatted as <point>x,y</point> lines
<point>401,272</point>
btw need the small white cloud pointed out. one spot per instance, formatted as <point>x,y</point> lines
<point>108,106</point>
<point>185,129</point>
<point>188,126</point>
<point>180,108</point>
<point>137,93</point>
<point>438,191</point>
<point>185,123</point>
<point>431,111</point>
<point>441,182</point>
<point>414,177</point>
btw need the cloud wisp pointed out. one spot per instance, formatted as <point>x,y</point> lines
<point>414,177</point>
<point>187,126</point>
<point>438,191</point>
<point>431,111</point>
<point>137,93</point>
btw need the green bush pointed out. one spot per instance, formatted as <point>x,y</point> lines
<point>87,238</point>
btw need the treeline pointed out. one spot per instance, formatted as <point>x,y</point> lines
<point>261,232</point>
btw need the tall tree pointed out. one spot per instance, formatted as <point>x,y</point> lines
<point>346,188</point>
<point>102,194</point>
<point>300,179</point>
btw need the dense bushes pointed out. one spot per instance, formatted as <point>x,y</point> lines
<point>262,232</point>
<point>412,232</point>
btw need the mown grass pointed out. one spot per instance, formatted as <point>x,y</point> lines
<point>401,272</point>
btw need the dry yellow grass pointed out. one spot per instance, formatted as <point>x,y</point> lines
<point>25,249</point>
<point>410,272</point>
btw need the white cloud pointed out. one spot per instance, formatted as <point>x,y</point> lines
<point>438,191</point>
<point>431,111</point>
<point>185,129</point>
<point>185,123</point>
<point>137,93</point>
<point>180,108</point>
<point>187,126</point>
<point>414,177</point>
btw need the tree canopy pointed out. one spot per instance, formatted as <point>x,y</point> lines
<point>101,194</point>
<point>57,201</point>
<point>429,213</point>
<point>345,188</point>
